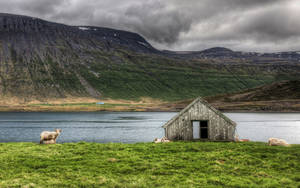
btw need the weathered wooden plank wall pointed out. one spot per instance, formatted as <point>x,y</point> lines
<point>218,128</point>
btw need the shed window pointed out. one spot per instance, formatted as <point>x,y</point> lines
<point>200,129</point>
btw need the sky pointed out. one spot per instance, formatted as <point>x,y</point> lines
<point>182,25</point>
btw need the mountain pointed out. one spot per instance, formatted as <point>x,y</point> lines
<point>284,90</point>
<point>41,60</point>
<point>278,96</point>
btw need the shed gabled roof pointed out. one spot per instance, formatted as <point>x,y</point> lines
<point>199,99</point>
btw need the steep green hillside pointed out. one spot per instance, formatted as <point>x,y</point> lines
<point>172,79</point>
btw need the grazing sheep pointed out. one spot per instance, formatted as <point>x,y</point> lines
<point>49,137</point>
<point>237,139</point>
<point>49,141</point>
<point>244,140</point>
<point>165,139</point>
<point>161,140</point>
<point>277,142</point>
<point>157,140</point>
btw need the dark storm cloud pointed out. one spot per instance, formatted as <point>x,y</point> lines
<point>271,25</point>
<point>37,7</point>
<point>41,6</point>
<point>156,22</point>
<point>259,25</point>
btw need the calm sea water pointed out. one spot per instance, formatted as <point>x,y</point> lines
<point>131,127</point>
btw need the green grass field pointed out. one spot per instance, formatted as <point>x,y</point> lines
<point>178,164</point>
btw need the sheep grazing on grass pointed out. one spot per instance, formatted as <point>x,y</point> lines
<point>277,142</point>
<point>161,140</point>
<point>157,140</point>
<point>49,142</point>
<point>244,140</point>
<point>237,139</point>
<point>49,137</point>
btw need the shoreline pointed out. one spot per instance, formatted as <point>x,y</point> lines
<point>146,105</point>
<point>145,109</point>
<point>150,142</point>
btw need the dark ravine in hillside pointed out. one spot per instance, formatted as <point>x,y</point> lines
<point>42,60</point>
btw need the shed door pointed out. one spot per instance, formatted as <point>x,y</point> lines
<point>204,129</point>
<point>200,129</point>
<point>196,129</point>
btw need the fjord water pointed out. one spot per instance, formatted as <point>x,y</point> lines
<point>131,127</point>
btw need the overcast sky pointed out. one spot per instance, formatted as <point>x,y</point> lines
<point>247,25</point>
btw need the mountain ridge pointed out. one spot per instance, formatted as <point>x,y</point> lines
<point>278,96</point>
<point>41,60</point>
<point>110,33</point>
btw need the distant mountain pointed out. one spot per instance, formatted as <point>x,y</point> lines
<point>225,53</point>
<point>278,96</point>
<point>42,60</point>
<point>284,90</point>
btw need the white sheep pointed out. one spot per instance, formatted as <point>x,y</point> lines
<point>165,139</point>
<point>161,140</point>
<point>49,142</point>
<point>277,142</point>
<point>47,137</point>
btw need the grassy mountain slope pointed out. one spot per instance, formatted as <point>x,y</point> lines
<point>279,96</point>
<point>277,91</point>
<point>165,78</point>
<point>40,60</point>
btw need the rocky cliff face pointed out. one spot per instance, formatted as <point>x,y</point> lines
<point>37,57</point>
<point>40,60</point>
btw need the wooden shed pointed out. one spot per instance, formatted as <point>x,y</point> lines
<point>200,121</point>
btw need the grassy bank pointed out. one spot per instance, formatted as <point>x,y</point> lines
<point>178,164</point>
<point>77,104</point>
<point>90,104</point>
<point>84,107</point>
<point>256,106</point>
